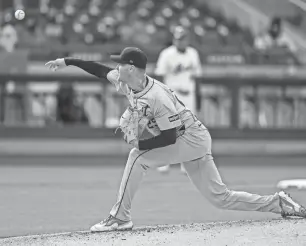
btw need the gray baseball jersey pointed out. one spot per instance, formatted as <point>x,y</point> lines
<point>193,148</point>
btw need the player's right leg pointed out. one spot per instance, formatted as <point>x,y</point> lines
<point>205,176</point>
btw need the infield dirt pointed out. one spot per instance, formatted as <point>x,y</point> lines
<point>276,232</point>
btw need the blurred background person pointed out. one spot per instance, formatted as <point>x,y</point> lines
<point>274,37</point>
<point>69,110</point>
<point>93,110</point>
<point>275,44</point>
<point>177,64</point>
<point>8,38</point>
<point>10,63</point>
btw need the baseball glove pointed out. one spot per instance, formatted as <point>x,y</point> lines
<point>132,124</point>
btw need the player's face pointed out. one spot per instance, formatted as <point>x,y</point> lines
<point>182,43</point>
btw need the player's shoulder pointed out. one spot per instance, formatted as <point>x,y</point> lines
<point>159,94</point>
<point>159,90</point>
<point>192,50</point>
<point>169,50</point>
<point>157,86</point>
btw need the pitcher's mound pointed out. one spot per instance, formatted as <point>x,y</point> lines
<point>283,232</point>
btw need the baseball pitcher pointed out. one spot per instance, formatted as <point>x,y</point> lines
<point>176,136</point>
<point>177,65</point>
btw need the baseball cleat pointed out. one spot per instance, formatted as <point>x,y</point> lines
<point>112,224</point>
<point>290,207</point>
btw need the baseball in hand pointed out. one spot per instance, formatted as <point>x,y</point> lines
<point>19,14</point>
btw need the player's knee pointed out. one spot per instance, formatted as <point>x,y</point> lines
<point>219,199</point>
<point>134,153</point>
<point>135,160</point>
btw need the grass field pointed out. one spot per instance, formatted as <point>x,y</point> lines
<point>48,195</point>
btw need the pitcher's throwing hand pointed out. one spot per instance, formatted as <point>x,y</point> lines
<point>56,64</point>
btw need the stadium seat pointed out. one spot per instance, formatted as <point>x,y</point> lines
<point>135,22</point>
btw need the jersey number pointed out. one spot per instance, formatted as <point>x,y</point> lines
<point>152,124</point>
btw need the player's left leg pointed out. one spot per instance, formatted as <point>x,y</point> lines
<point>205,176</point>
<point>120,218</point>
<point>135,169</point>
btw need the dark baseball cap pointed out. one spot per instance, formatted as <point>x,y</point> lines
<point>133,56</point>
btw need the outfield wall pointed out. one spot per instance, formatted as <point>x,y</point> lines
<point>248,110</point>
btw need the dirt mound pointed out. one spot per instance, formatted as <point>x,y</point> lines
<point>271,232</point>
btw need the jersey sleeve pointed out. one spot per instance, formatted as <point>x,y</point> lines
<point>162,64</point>
<point>95,68</point>
<point>165,113</point>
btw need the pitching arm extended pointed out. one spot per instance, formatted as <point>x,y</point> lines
<point>95,68</point>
